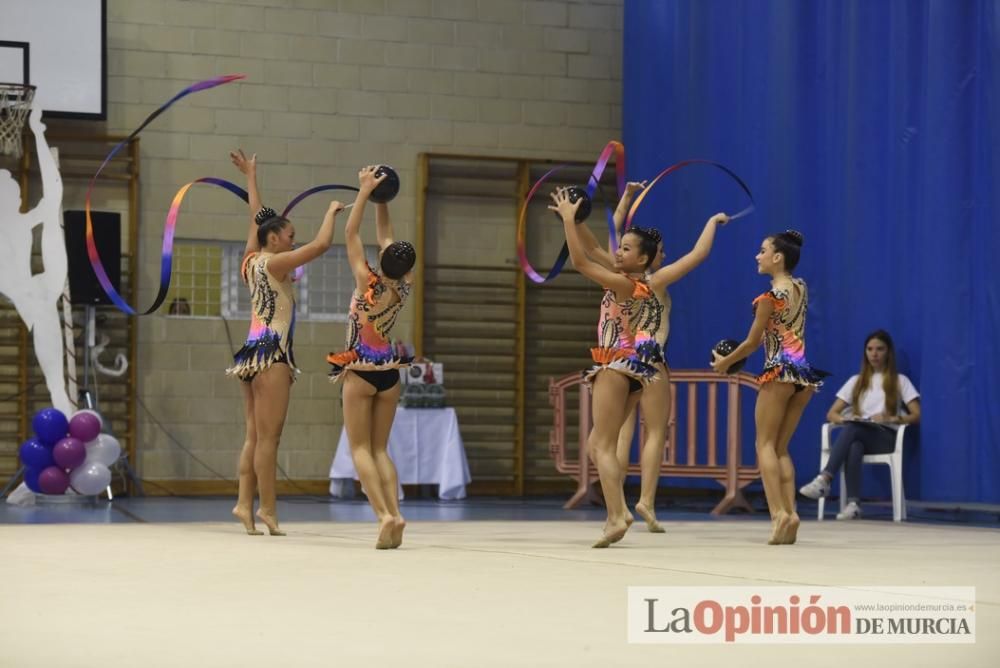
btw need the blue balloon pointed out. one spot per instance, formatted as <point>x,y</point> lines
<point>35,455</point>
<point>31,479</point>
<point>50,425</point>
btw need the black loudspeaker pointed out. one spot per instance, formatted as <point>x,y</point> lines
<point>83,285</point>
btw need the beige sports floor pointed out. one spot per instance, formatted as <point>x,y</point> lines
<point>456,594</point>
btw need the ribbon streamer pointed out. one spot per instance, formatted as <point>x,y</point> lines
<point>611,148</point>
<point>166,261</point>
<point>168,232</point>
<point>684,163</point>
<point>616,148</point>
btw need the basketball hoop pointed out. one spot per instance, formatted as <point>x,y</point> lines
<point>15,105</point>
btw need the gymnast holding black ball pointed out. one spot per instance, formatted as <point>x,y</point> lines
<point>370,364</point>
<point>787,382</point>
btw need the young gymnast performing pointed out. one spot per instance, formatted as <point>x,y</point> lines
<point>370,366</point>
<point>654,320</point>
<point>787,382</point>
<point>626,352</point>
<point>265,363</point>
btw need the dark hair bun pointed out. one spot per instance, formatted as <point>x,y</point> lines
<point>650,233</point>
<point>397,259</point>
<point>795,236</point>
<point>265,214</point>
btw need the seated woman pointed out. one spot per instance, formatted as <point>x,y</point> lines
<point>869,405</point>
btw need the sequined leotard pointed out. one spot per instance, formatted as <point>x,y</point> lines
<point>272,322</point>
<point>784,339</point>
<point>653,321</point>
<point>370,320</point>
<point>622,345</point>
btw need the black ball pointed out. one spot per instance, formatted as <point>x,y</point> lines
<point>389,188</point>
<point>726,346</point>
<point>575,193</point>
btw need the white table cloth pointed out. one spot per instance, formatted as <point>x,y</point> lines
<point>426,447</point>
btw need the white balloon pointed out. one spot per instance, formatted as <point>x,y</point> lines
<point>90,479</point>
<point>92,412</point>
<point>103,450</point>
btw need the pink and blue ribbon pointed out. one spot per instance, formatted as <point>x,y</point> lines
<point>166,257</point>
<point>618,150</point>
<point>611,148</point>
<point>168,232</point>
<point>680,165</point>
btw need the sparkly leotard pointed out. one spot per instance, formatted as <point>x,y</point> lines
<point>784,339</point>
<point>272,322</point>
<point>653,320</point>
<point>622,346</point>
<point>370,320</point>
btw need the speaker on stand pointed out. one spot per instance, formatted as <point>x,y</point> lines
<point>86,291</point>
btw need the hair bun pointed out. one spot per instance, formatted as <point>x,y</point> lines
<point>402,250</point>
<point>795,236</point>
<point>650,233</point>
<point>264,214</point>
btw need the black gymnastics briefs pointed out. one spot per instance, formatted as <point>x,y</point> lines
<point>380,380</point>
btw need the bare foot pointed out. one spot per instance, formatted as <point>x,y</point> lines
<point>629,518</point>
<point>386,526</point>
<point>779,528</point>
<point>246,517</point>
<point>650,517</point>
<point>397,532</point>
<point>606,531</point>
<point>612,534</point>
<point>272,523</point>
<point>792,532</point>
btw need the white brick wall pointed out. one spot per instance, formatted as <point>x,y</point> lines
<point>331,85</point>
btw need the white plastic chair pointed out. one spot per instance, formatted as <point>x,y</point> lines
<point>894,459</point>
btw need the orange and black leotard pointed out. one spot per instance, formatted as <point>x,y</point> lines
<point>369,323</point>
<point>784,339</point>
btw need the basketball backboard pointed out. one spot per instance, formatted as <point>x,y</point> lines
<point>59,46</point>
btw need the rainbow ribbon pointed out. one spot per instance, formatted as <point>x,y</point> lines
<point>684,163</point>
<point>166,261</point>
<point>611,148</point>
<point>616,148</point>
<point>312,191</point>
<point>168,232</point>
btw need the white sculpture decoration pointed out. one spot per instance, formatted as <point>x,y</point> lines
<point>36,297</point>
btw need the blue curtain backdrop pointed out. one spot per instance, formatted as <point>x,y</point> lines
<point>873,127</point>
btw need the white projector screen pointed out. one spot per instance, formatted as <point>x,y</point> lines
<point>65,44</point>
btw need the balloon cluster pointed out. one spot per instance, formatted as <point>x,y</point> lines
<point>69,453</point>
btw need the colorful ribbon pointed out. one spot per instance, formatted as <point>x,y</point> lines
<point>684,163</point>
<point>168,232</point>
<point>312,191</point>
<point>166,261</point>
<point>616,148</point>
<point>611,148</point>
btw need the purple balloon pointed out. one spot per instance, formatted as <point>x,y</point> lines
<point>50,425</point>
<point>84,426</point>
<point>35,455</point>
<point>53,480</point>
<point>69,453</point>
